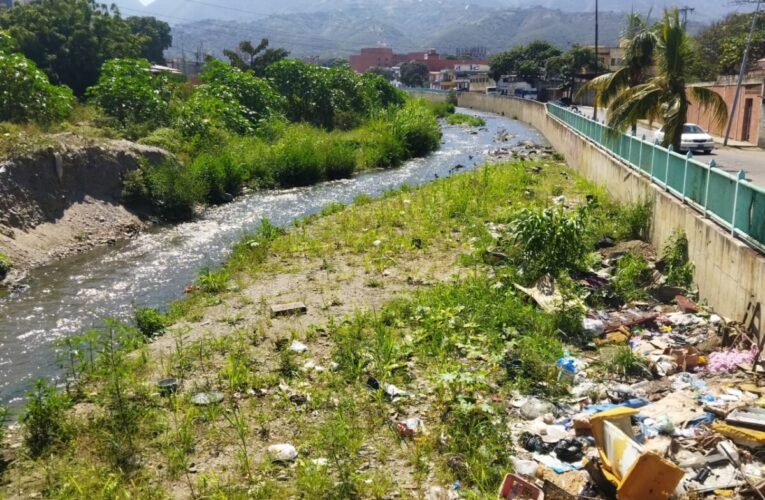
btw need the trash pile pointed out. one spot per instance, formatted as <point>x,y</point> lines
<point>688,422</point>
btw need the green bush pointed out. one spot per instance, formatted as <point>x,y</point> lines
<point>549,241</point>
<point>5,266</point>
<point>297,158</point>
<point>677,267</point>
<point>418,129</point>
<point>632,278</point>
<point>168,189</point>
<point>218,175</point>
<point>440,109</point>
<point>469,120</point>
<point>339,159</point>
<point>150,321</point>
<point>256,97</point>
<point>128,91</point>
<point>634,220</point>
<point>44,418</point>
<point>26,95</point>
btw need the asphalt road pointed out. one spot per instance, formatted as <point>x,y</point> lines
<point>732,159</point>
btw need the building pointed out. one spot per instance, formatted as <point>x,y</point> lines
<point>610,57</point>
<point>749,120</point>
<point>385,57</point>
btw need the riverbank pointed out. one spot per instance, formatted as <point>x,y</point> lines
<point>397,290</point>
<point>65,198</point>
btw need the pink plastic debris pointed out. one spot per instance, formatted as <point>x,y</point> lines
<point>727,361</point>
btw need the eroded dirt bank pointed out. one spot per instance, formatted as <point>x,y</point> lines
<point>66,198</point>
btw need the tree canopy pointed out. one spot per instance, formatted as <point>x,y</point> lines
<point>71,39</point>
<point>414,74</point>
<point>572,64</point>
<point>25,92</point>
<point>156,36</point>
<point>718,48</point>
<point>256,59</point>
<point>525,61</point>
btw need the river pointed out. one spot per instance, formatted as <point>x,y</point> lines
<point>153,269</point>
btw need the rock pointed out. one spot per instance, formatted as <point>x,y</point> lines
<point>282,452</point>
<point>686,305</point>
<point>298,347</point>
<point>293,308</point>
<point>534,408</point>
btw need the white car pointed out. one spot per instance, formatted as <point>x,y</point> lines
<point>694,139</point>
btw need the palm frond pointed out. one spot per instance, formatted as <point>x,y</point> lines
<point>712,102</point>
<point>634,104</point>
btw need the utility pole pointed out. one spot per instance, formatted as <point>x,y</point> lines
<point>684,11</point>
<point>741,73</point>
<point>597,63</point>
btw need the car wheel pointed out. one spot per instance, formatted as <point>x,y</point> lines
<point>707,151</point>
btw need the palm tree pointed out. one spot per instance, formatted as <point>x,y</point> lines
<point>639,48</point>
<point>665,97</point>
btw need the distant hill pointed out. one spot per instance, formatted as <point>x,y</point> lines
<point>328,28</point>
<point>179,11</point>
<point>405,28</point>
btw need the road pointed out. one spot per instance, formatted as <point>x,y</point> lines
<point>750,159</point>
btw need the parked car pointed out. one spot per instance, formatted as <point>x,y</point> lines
<point>694,139</point>
<point>491,90</point>
<point>566,102</point>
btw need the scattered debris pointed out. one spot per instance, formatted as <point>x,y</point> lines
<point>298,347</point>
<point>207,398</point>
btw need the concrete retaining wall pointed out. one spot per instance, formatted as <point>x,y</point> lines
<point>728,272</point>
<point>431,96</point>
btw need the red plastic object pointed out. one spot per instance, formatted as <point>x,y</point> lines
<point>516,488</point>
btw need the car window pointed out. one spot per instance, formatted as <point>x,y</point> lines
<point>692,129</point>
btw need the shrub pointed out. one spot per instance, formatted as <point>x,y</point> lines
<point>27,95</point>
<point>128,91</point>
<point>469,120</point>
<point>339,159</point>
<point>452,98</point>
<point>168,188</point>
<point>677,267</point>
<point>5,266</point>
<point>168,139</point>
<point>418,129</point>
<point>549,241</point>
<point>44,418</point>
<point>625,363</point>
<point>632,277</point>
<point>440,109</point>
<point>204,113</point>
<point>150,321</point>
<point>218,175</point>
<point>256,97</point>
<point>297,158</point>
<point>634,220</point>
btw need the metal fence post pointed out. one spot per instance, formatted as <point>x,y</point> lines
<point>629,150</point>
<point>740,177</point>
<point>712,165</point>
<point>653,156</point>
<point>670,150</point>
<point>640,155</point>
<point>688,156</point>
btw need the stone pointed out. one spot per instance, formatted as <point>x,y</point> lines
<point>291,309</point>
<point>284,452</point>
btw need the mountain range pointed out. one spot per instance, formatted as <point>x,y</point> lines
<point>329,28</point>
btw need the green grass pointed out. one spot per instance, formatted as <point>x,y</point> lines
<point>468,120</point>
<point>463,346</point>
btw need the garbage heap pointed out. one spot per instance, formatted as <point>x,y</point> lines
<point>689,423</point>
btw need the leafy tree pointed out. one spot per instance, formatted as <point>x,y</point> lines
<point>26,94</point>
<point>719,47</point>
<point>567,67</point>
<point>307,91</point>
<point>525,61</point>
<point>636,65</point>
<point>253,93</point>
<point>156,37</point>
<point>257,58</point>
<point>128,91</point>
<point>71,39</point>
<point>383,72</point>
<point>665,96</point>
<point>380,92</point>
<point>414,74</point>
